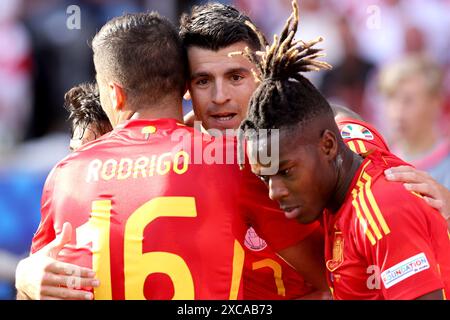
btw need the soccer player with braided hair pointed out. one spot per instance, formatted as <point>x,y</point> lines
<point>382,241</point>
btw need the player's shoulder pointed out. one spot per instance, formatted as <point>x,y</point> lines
<point>386,199</point>
<point>360,136</point>
<point>380,206</point>
<point>85,152</point>
<point>100,142</point>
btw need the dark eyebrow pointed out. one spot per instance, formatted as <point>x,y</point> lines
<point>284,163</point>
<point>200,74</point>
<point>238,70</point>
<point>228,72</point>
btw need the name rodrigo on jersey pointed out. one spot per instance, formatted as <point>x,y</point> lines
<point>141,167</point>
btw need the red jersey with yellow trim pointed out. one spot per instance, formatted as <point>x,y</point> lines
<point>360,136</point>
<point>267,276</point>
<point>153,220</point>
<point>385,242</point>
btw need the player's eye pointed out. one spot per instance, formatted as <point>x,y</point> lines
<point>285,172</point>
<point>202,82</point>
<point>236,77</point>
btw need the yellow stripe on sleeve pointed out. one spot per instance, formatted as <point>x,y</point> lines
<point>368,215</point>
<point>362,146</point>
<point>374,204</point>
<point>352,146</point>
<point>363,222</point>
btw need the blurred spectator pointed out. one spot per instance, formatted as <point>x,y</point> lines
<point>62,58</point>
<point>316,19</point>
<point>413,88</point>
<point>15,76</point>
<point>266,14</point>
<point>384,28</point>
<point>346,82</point>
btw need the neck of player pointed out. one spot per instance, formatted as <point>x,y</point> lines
<point>345,173</point>
<point>162,109</point>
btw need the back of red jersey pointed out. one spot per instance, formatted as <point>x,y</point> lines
<point>154,219</point>
<point>151,222</point>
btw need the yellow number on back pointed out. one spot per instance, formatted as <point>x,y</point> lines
<point>139,265</point>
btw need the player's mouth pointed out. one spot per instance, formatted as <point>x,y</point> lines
<point>223,117</point>
<point>291,212</point>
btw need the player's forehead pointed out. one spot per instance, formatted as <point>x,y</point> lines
<point>202,60</point>
<point>276,149</point>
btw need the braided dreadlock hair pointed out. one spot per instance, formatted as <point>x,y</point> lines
<point>285,97</point>
<point>83,104</point>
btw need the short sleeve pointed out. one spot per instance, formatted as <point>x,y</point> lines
<point>401,245</point>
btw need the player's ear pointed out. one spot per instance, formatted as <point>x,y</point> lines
<point>329,144</point>
<point>117,95</point>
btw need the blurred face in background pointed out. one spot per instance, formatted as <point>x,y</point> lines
<point>412,109</point>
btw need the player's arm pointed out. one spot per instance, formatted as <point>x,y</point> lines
<point>307,258</point>
<point>405,216</point>
<point>435,194</point>
<point>42,277</point>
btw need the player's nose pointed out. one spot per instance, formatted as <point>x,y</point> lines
<point>221,93</point>
<point>277,190</point>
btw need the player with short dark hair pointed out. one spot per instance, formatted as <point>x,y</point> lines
<point>366,218</point>
<point>220,87</point>
<point>140,72</point>
<point>215,26</point>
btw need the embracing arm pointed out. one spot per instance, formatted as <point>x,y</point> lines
<point>308,259</point>
<point>435,194</point>
<point>41,277</point>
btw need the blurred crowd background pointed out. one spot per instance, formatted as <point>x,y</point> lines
<point>391,62</point>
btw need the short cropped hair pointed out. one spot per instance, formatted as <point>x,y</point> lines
<point>143,52</point>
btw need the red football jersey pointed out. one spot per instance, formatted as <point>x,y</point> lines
<point>267,276</point>
<point>153,220</point>
<point>385,242</point>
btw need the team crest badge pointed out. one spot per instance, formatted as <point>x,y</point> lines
<point>253,241</point>
<point>338,252</point>
<point>356,131</point>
